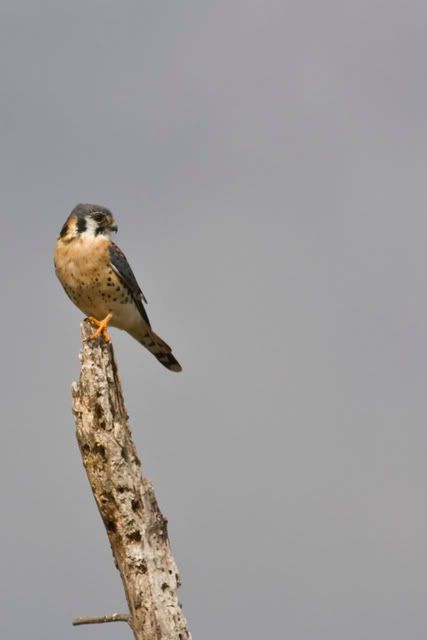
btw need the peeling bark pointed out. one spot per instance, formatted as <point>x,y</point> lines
<point>136,528</point>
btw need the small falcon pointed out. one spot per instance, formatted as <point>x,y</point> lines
<point>98,279</point>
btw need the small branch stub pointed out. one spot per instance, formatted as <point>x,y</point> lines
<point>114,617</point>
<point>135,526</point>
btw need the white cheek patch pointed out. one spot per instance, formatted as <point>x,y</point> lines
<point>90,230</point>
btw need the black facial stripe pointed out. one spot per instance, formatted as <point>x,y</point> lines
<point>63,230</point>
<point>99,230</point>
<point>81,225</point>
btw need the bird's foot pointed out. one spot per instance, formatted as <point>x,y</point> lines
<point>101,327</point>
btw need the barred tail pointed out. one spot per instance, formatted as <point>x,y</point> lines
<point>159,348</point>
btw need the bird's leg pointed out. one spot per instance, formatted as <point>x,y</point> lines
<point>102,327</point>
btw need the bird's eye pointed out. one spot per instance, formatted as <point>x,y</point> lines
<point>98,217</point>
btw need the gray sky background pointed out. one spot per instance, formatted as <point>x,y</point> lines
<point>266,163</point>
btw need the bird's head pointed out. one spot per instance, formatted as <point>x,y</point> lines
<point>90,220</point>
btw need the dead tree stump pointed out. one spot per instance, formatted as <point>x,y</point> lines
<point>136,528</point>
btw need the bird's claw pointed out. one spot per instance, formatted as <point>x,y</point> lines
<point>101,328</point>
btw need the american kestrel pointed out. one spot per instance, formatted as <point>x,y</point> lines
<point>97,277</point>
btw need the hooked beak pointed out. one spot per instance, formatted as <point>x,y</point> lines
<point>114,227</point>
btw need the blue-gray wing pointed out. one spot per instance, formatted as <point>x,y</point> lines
<point>121,266</point>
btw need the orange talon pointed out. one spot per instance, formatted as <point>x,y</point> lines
<point>102,327</point>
